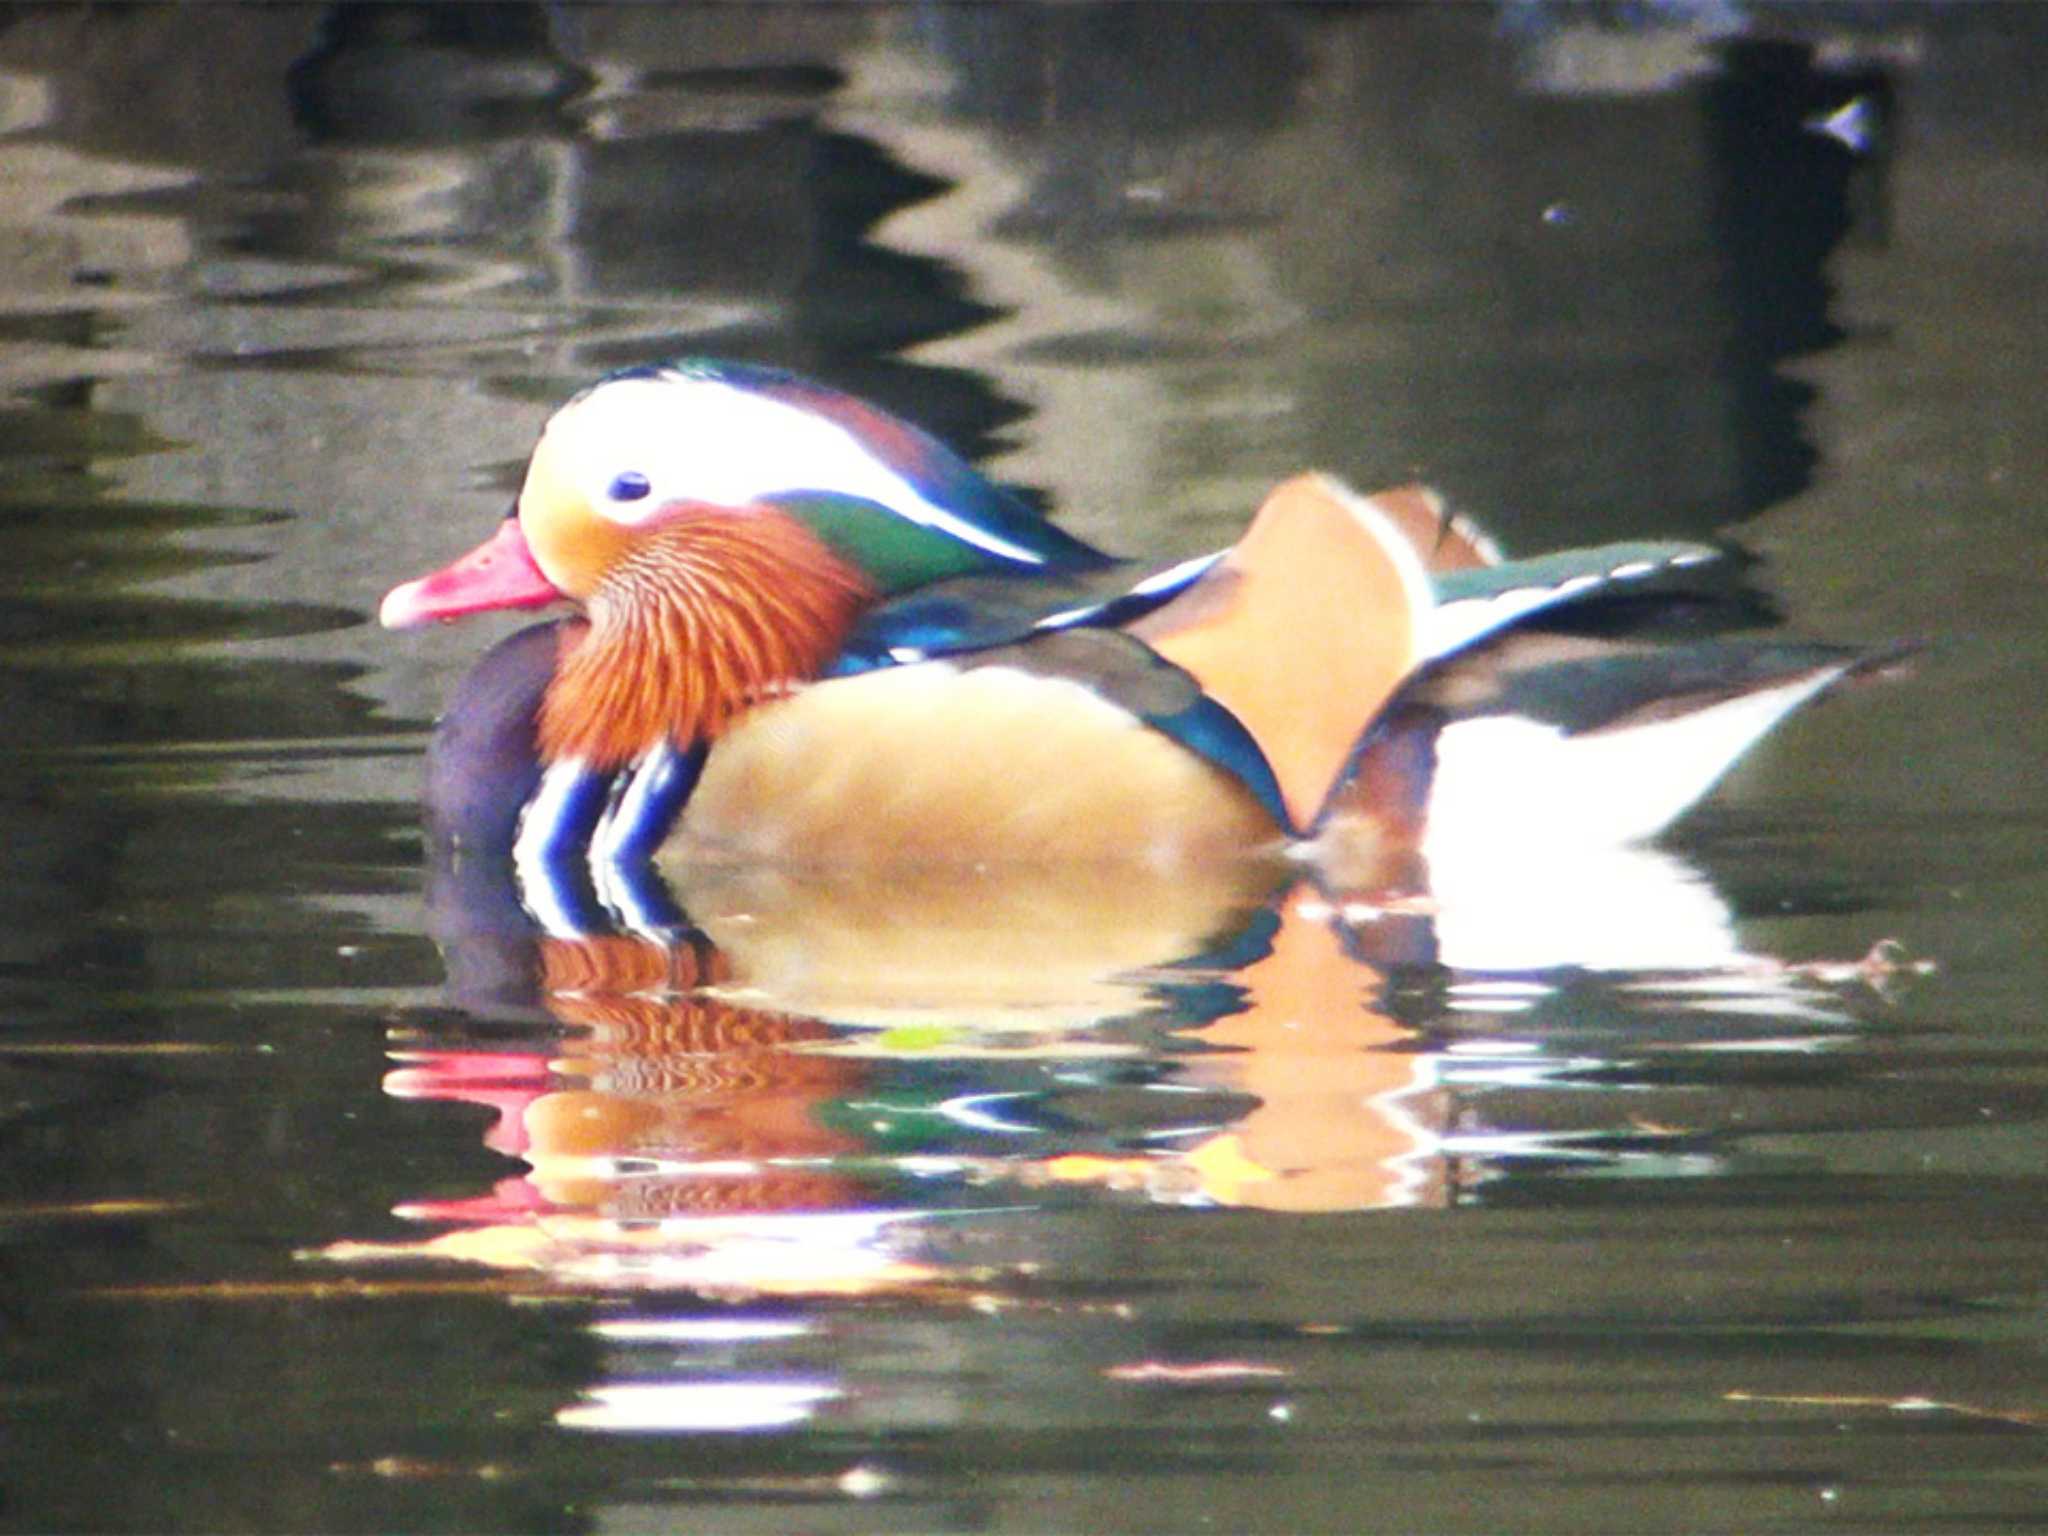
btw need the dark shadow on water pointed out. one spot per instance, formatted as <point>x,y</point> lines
<point>1785,196</point>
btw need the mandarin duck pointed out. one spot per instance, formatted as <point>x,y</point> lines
<point>811,634</point>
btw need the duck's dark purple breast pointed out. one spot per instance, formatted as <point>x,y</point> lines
<point>482,766</point>
<point>481,771</point>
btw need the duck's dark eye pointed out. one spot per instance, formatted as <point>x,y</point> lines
<point>630,486</point>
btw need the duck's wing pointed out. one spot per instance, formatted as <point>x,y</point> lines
<point>1578,740</point>
<point>965,614</point>
<point>1474,593</point>
<point>1292,640</point>
<point>1284,646</point>
<point>1480,600</point>
<point>1579,684</point>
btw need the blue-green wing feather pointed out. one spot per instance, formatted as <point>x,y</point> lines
<point>965,614</point>
<point>1474,603</point>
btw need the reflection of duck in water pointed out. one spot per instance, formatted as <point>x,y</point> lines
<point>811,635</point>
<point>785,1110</point>
<point>672,1140</point>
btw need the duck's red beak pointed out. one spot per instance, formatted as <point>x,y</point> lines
<point>498,573</point>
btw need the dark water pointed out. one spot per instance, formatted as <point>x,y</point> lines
<point>1617,1196</point>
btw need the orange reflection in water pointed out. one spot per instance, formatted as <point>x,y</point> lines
<point>785,1098</point>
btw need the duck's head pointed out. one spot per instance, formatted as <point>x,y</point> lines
<point>722,527</point>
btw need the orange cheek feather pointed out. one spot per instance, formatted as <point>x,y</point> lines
<point>711,611</point>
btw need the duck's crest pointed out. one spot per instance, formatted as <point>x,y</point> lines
<point>906,470</point>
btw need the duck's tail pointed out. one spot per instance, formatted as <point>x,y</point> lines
<point>1548,739</point>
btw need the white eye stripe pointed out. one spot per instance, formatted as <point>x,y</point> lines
<point>728,447</point>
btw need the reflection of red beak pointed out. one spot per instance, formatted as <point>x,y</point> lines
<point>508,1084</point>
<point>498,573</point>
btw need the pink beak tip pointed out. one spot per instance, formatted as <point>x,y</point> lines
<point>401,608</point>
<point>499,573</point>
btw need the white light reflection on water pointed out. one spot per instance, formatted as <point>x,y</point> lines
<point>699,1330</point>
<point>677,1407</point>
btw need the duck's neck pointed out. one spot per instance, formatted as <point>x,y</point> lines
<point>718,610</point>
